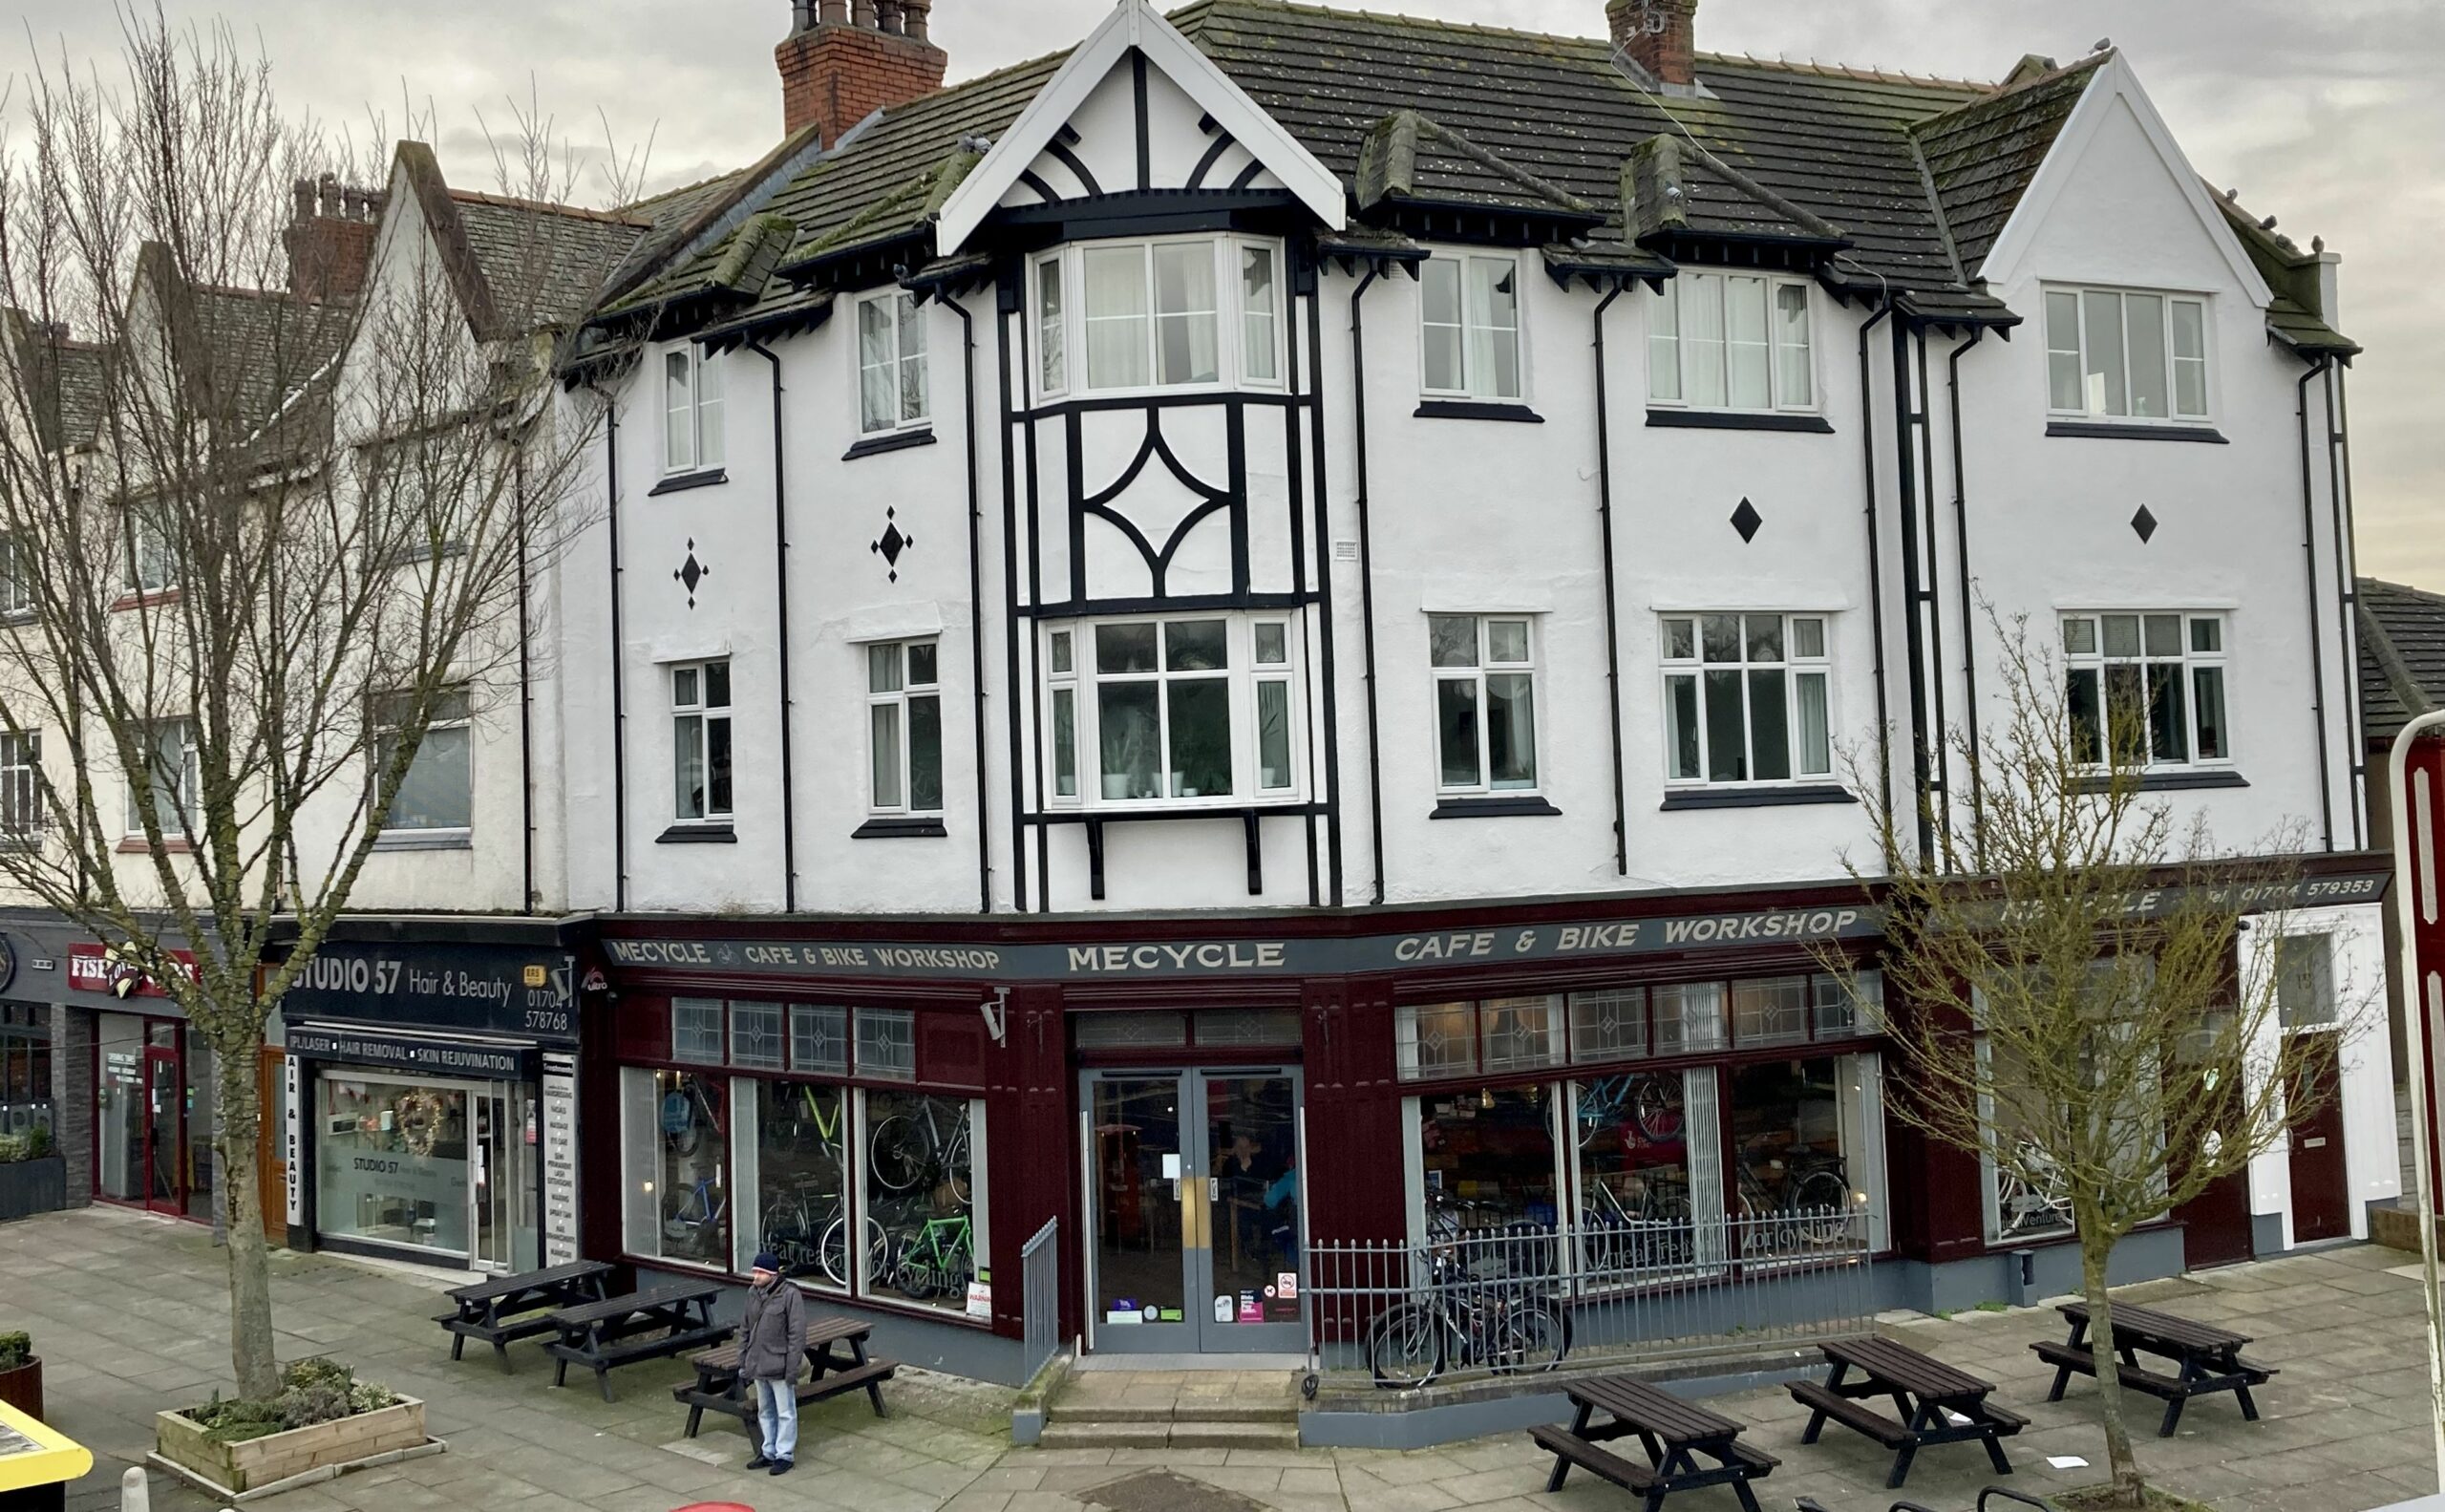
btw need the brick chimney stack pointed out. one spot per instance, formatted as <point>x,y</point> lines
<point>845,59</point>
<point>330,238</point>
<point>1660,36</point>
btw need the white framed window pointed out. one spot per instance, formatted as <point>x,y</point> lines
<point>904,726</point>
<point>1260,286</point>
<point>17,577</point>
<point>1469,326</point>
<point>1118,317</point>
<point>1485,702</point>
<point>1732,341</point>
<point>21,783</point>
<point>2154,680</point>
<point>700,741</point>
<point>2126,355</point>
<point>1747,698</point>
<point>692,410</point>
<point>170,781</point>
<point>1052,328</point>
<point>891,364</point>
<point>151,568</point>
<point>437,793</point>
<point>1193,709</point>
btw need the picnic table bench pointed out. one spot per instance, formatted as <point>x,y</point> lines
<point>653,1323</point>
<point>1673,1432</point>
<point>489,1310</point>
<point>1933,1403</point>
<point>2206,1358</point>
<point>719,1387</point>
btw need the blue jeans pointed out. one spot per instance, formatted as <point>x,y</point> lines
<point>777,1406</point>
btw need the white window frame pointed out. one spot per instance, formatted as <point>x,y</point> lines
<point>1078,683</point>
<point>1476,385</point>
<point>905,316</point>
<point>894,703</point>
<point>2082,343</point>
<point>151,568</point>
<point>691,415</point>
<point>452,711</point>
<point>139,785</point>
<point>1233,367</point>
<point>2192,661</point>
<point>1794,667</point>
<point>705,715</point>
<point>21,815</point>
<point>16,569</point>
<point>1670,354</point>
<point>1476,676</point>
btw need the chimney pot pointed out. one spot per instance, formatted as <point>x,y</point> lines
<point>834,13</point>
<point>913,18</point>
<point>301,193</point>
<point>862,14</point>
<point>887,17</point>
<point>846,68</point>
<point>1659,35</point>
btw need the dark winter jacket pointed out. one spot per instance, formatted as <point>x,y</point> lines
<point>772,1337</point>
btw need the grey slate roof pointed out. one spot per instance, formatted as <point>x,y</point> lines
<point>546,263</point>
<point>2402,656</point>
<point>1982,156</point>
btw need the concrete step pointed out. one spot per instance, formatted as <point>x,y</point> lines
<point>1059,1435</point>
<point>1280,1435</point>
<point>1064,1434</point>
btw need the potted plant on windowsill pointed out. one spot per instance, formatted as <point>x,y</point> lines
<point>20,1373</point>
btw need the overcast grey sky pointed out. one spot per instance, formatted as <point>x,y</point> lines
<point>2325,116</point>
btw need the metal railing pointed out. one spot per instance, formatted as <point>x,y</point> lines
<point>1519,1299</point>
<point>1040,1294</point>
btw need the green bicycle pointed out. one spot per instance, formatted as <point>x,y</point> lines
<point>937,1260</point>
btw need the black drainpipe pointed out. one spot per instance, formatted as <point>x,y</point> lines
<point>2347,592</point>
<point>1937,722</point>
<point>619,655</point>
<point>781,578</point>
<point>526,707</point>
<point>975,597</point>
<point>2317,642</point>
<point>1612,604</point>
<point>1969,610</point>
<point>1366,570</point>
<point>1914,630</point>
<point>1875,571</point>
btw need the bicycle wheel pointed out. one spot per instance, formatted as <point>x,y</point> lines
<point>898,1159</point>
<point>1655,1108</point>
<point>1409,1345</point>
<point>1820,1205</point>
<point>1533,1337</point>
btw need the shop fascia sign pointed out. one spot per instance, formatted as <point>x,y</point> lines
<point>478,988</point>
<point>2264,897</point>
<point>97,968</point>
<point>1191,957</point>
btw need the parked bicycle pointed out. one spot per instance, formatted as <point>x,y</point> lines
<point>1650,1103</point>
<point>698,1221</point>
<point>915,1152</point>
<point>1812,1209</point>
<point>1473,1311</point>
<point>1652,1231</point>
<point>936,1261</point>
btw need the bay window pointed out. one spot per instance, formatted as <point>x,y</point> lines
<point>2126,356</point>
<point>2152,682</point>
<point>1187,710</point>
<point>1469,324</point>
<point>1485,702</point>
<point>1172,312</point>
<point>700,742</point>
<point>692,410</point>
<point>1746,698</point>
<point>904,726</point>
<point>891,364</point>
<point>1732,341</point>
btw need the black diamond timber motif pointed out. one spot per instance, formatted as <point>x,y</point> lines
<point>2145,524</point>
<point>692,572</point>
<point>891,545</point>
<point>1747,520</point>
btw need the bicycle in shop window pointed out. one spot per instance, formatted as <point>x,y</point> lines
<point>808,1229</point>
<point>694,1228</point>
<point>687,1115</point>
<point>923,1150</point>
<point>1643,1103</point>
<point>1653,1230</point>
<point>1485,1298</point>
<point>1810,1210</point>
<point>2022,1206</point>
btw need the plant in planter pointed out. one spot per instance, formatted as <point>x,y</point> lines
<point>324,1419</point>
<point>20,1373</point>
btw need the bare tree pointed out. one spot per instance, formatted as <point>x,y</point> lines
<point>278,514</point>
<point>2068,966</point>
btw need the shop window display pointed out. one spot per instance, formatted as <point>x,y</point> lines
<point>921,1192</point>
<point>678,1189</point>
<point>798,1166</point>
<point>1804,1173</point>
<point>1647,1169</point>
<point>391,1162</point>
<point>1486,1158</point>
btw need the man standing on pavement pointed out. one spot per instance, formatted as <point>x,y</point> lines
<point>772,1340</point>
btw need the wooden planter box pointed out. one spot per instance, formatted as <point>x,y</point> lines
<point>21,1388</point>
<point>255,1462</point>
<point>28,1187</point>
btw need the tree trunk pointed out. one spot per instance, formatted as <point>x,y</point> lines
<point>2122,1464</point>
<point>252,1349</point>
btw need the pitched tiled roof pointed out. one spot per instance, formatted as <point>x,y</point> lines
<point>264,347</point>
<point>1981,157</point>
<point>2402,655</point>
<point>545,263</point>
<point>65,381</point>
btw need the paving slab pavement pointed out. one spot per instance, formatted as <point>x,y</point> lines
<point>129,1315</point>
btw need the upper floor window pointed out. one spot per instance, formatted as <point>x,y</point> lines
<point>692,410</point>
<point>700,741</point>
<point>17,577</point>
<point>1746,698</point>
<point>905,725</point>
<point>439,790</point>
<point>2152,682</point>
<point>151,568</point>
<point>1485,702</point>
<point>1189,710</point>
<point>2126,356</point>
<point>171,783</point>
<point>1468,313</point>
<point>891,363</point>
<point>1159,314</point>
<point>21,783</point>
<point>1732,341</point>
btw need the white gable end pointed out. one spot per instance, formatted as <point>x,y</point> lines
<point>1095,91</point>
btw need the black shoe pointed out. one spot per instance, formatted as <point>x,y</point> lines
<point>780,1467</point>
<point>759,1462</point>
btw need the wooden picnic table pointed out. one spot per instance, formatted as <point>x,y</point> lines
<point>1673,1432</point>
<point>1933,1403</point>
<point>488,1311</point>
<point>719,1385</point>
<point>656,1323</point>
<point>2206,1358</point>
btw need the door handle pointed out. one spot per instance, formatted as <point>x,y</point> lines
<point>1213,1188</point>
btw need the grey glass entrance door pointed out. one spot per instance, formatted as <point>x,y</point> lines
<point>1194,1207</point>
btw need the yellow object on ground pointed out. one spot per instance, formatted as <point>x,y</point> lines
<point>35,1453</point>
